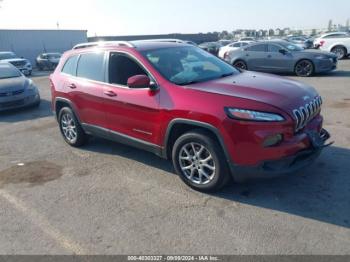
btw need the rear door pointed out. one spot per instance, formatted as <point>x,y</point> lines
<point>85,89</point>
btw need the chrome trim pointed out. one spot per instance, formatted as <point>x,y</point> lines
<point>304,114</point>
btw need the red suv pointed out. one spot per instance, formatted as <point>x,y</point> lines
<point>182,103</point>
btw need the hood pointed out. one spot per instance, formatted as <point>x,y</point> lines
<point>317,52</point>
<point>277,91</point>
<point>14,60</point>
<point>13,84</point>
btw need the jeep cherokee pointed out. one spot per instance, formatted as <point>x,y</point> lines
<point>212,120</point>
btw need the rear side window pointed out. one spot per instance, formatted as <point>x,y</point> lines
<point>91,66</point>
<point>257,48</point>
<point>70,67</point>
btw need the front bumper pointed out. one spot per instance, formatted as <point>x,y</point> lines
<point>285,166</point>
<point>19,102</point>
<point>326,65</point>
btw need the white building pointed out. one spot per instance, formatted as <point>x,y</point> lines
<point>30,43</point>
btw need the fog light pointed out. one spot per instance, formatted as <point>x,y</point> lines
<point>273,140</point>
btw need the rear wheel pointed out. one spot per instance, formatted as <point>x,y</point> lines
<point>70,128</point>
<point>199,161</point>
<point>340,51</point>
<point>240,64</point>
<point>304,68</point>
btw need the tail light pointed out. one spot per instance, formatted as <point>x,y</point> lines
<point>226,55</point>
<point>322,42</point>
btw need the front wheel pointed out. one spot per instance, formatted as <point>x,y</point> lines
<point>304,68</point>
<point>200,162</point>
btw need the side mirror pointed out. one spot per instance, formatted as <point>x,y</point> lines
<point>139,81</point>
<point>283,51</point>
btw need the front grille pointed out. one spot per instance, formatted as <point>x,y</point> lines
<point>18,63</point>
<point>12,93</point>
<point>304,114</point>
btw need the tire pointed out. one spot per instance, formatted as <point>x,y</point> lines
<point>70,128</point>
<point>240,64</point>
<point>340,51</point>
<point>304,68</point>
<point>213,163</point>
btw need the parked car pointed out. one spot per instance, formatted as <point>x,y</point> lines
<point>224,42</point>
<point>299,41</point>
<point>48,61</point>
<point>184,104</point>
<point>282,57</point>
<point>22,64</point>
<point>16,90</point>
<point>211,47</point>
<point>225,50</point>
<point>336,42</point>
<point>247,39</point>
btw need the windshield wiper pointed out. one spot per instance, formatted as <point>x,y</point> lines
<point>227,74</point>
<point>188,83</point>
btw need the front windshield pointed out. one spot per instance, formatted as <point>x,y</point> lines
<point>188,65</point>
<point>9,55</point>
<point>7,71</point>
<point>292,47</point>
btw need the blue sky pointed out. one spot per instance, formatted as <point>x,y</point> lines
<point>122,17</point>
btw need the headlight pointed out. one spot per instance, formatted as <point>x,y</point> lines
<point>250,115</point>
<point>31,85</point>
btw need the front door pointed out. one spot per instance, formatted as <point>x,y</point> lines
<point>133,112</point>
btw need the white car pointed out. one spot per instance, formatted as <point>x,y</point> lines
<point>225,50</point>
<point>336,42</point>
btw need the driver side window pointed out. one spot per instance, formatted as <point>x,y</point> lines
<point>121,68</point>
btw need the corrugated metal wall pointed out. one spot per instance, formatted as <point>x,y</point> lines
<point>30,43</point>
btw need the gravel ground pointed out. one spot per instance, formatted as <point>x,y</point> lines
<point>106,198</point>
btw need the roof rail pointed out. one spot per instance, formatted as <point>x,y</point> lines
<point>103,43</point>
<point>170,40</point>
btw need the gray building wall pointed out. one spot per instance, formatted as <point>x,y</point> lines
<point>30,43</point>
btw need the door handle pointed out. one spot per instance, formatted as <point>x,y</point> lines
<point>110,93</point>
<point>269,56</point>
<point>72,86</point>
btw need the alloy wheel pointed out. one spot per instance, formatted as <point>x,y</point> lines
<point>69,128</point>
<point>304,68</point>
<point>197,163</point>
<point>340,52</point>
<point>241,65</point>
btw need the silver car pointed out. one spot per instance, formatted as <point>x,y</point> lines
<point>16,90</point>
<point>282,57</point>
